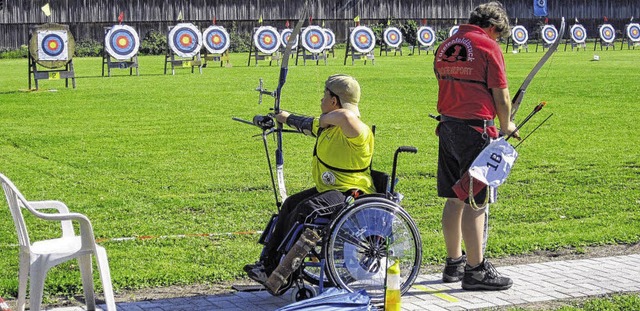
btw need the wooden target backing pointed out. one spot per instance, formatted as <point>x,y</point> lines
<point>185,40</point>
<point>122,42</point>
<point>52,45</point>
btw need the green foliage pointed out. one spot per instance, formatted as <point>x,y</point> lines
<point>89,48</point>
<point>159,155</point>
<point>154,43</point>
<point>22,52</point>
<point>409,29</point>
<point>241,42</point>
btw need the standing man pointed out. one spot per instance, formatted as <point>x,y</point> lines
<point>473,90</point>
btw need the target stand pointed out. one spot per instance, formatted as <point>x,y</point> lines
<point>216,43</point>
<point>314,42</point>
<point>577,38</point>
<point>606,38</point>
<point>391,41</point>
<point>184,42</point>
<point>266,42</point>
<point>120,50</point>
<point>360,45</point>
<point>51,48</point>
<point>631,36</point>
<point>518,39</point>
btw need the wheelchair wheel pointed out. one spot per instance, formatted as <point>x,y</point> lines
<point>367,238</point>
<point>311,270</point>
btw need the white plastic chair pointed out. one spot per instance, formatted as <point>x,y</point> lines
<point>37,258</point>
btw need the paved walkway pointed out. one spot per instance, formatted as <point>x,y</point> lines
<point>532,283</point>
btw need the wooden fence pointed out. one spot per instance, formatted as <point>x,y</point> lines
<point>87,18</point>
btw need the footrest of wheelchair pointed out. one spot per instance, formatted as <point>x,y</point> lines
<point>248,288</point>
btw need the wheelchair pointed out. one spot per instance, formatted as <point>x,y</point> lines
<point>359,241</point>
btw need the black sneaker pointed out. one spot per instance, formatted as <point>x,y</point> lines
<point>258,274</point>
<point>484,277</point>
<point>250,267</point>
<point>454,269</point>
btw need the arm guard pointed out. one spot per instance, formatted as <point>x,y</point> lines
<point>301,124</point>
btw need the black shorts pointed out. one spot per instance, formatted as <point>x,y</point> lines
<point>460,144</point>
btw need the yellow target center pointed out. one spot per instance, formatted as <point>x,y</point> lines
<point>315,39</point>
<point>363,39</point>
<point>53,45</point>
<point>185,40</point>
<point>393,36</point>
<point>267,40</point>
<point>216,39</point>
<point>122,42</point>
<point>634,32</point>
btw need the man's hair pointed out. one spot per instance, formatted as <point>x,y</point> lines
<point>491,14</point>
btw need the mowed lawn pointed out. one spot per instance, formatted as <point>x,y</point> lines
<point>159,156</point>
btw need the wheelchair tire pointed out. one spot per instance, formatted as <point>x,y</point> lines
<point>356,246</point>
<point>311,272</point>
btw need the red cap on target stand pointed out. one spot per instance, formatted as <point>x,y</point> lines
<point>3,305</point>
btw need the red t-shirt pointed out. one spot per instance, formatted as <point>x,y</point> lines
<point>468,65</point>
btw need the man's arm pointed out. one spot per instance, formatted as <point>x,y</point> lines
<point>502,101</point>
<point>347,120</point>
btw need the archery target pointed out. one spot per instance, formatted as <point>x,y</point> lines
<point>362,39</point>
<point>216,39</point>
<point>578,33</point>
<point>122,42</point>
<point>314,39</point>
<point>392,37</point>
<point>266,39</point>
<point>519,34</point>
<point>549,34</point>
<point>52,45</point>
<point>633,32</point>
<point>330,38</point>
<point>426,36</point>
<point>607,33</point>
<point>185,40</point>
<point>453,30</point>
<point>285,34</point>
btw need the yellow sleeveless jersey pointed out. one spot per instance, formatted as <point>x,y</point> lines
<point>342,163</point>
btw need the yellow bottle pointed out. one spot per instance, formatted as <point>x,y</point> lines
<point>392,293</point>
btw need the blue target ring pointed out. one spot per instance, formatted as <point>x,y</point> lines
<point>362,39</point>
<point>266,39</point>
<point>285,35</point>
<point>122,42</point>
<point>453,30</point>
<point>578,33</point>
<point>392,37</point>
<point>519,34</point>
<point>52,45</point>
<point>330,37</point>
<point>426,36</point>
<point>314,39</point>
<point>607,33</point>
<point>185,40</point>
<point>216,39</point>
<point>549,34</point>
<point>633,32</point>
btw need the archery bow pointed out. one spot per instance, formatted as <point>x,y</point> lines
<point>284,69</point>
<point>517,99</point>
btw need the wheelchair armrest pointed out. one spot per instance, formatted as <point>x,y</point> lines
<point>381,181</point>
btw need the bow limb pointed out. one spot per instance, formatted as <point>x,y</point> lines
<point>284,69</point>
<point>517,99</point>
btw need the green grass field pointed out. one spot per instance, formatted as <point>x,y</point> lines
<point>159,155</point>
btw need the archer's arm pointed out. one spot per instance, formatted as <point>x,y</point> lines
<point>502,101</point>
<point>348,121</point>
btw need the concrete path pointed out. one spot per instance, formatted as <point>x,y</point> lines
<point>532,283</point>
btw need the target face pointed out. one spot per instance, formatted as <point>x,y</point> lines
<point>392,37</point>
<point>607,33</point>
<point>53,45</point>
<point>426,36</point>
<point>362,39</point>
<point>285,34</point>
<point>122,42</point>
<point>549,34</point>
<point>330,38</point>
<point>453,30</point>
<point>266,39</point>
<point>578,33</point>
<point>314,39</point>
<point>185,40</point>
<point>633,32</point>
<point>519,34</point>
<point>216,39</point>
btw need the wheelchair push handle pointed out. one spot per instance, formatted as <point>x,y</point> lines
<point>400,149</point>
